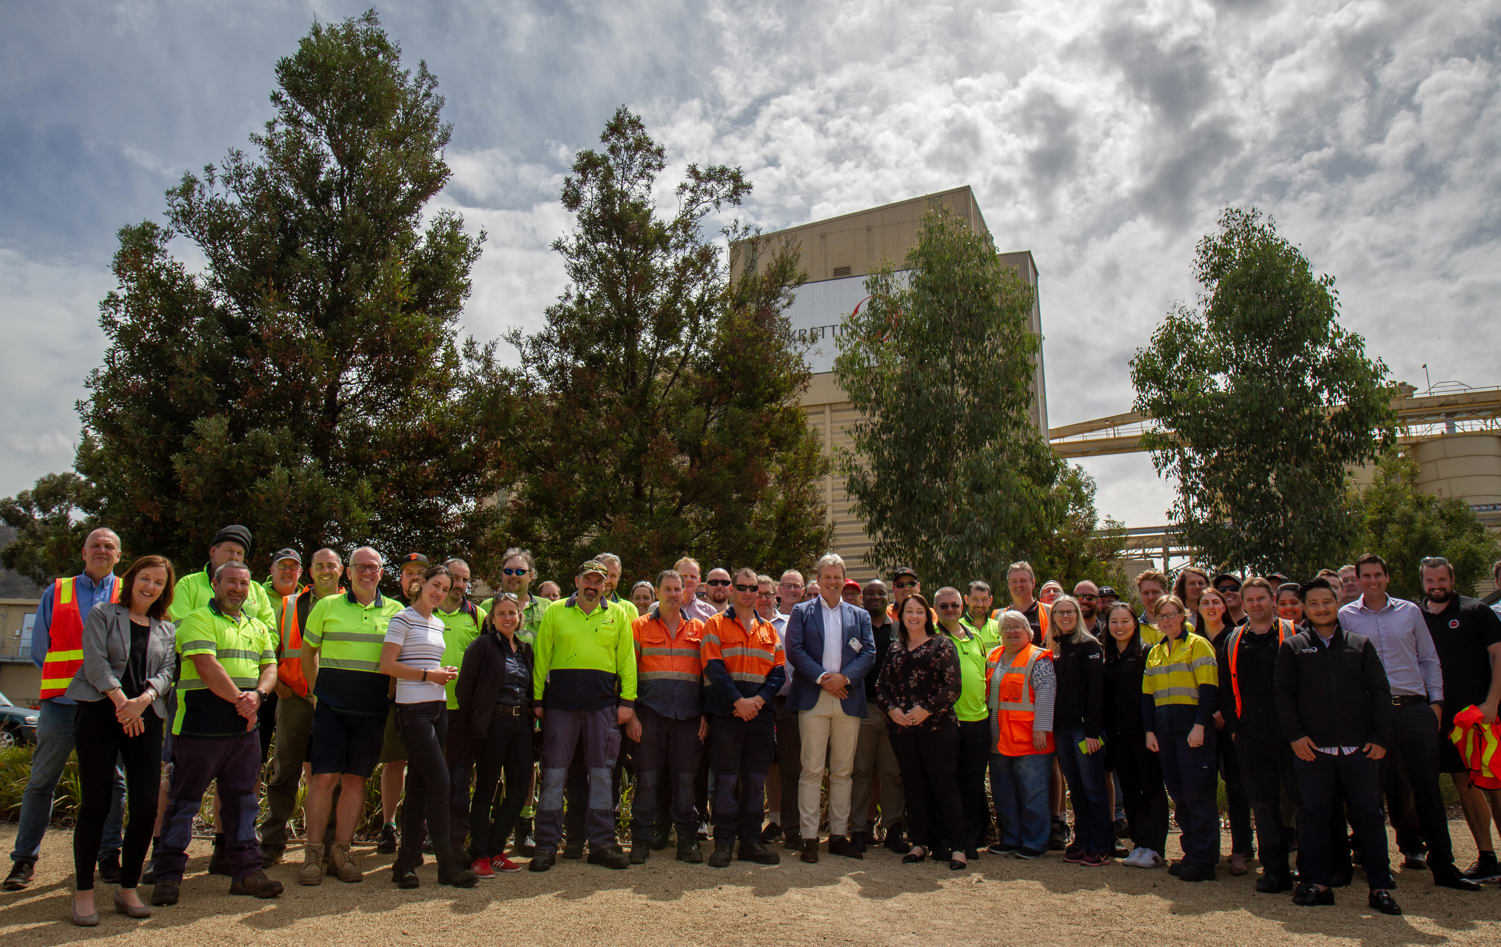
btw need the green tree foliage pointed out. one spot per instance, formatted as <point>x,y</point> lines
<point>661,398</point>
<point>50,522</point>
<point>1403,525</point>
<point>947,469</point>
<point>1262,400</point>
<point>308,381</point>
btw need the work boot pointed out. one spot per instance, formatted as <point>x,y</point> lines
<point>896,841</point>
<point>756,851</point>
<point>1058,835</point>
<point>456,876</point>
<point>688,851</point>
<point>611,857</point>
<point>165,892</point>
<point>659,838</point>
<point>109,868</point>
<point>341,864</point>
<point>218,862</point>
<point>257,885</point>
<point>311,872</point>
<point>640,851</point>
<point>724,853</point>
<point>543,860</point>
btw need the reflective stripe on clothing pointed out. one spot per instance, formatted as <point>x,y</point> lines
<point>1012,701</point>
<point>65,641</point>
<point>1177,668</point>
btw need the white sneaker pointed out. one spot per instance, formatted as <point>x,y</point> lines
<point>1134,860</point>
<point>1154,860</point>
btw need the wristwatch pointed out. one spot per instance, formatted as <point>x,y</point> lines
<point>262,695</point>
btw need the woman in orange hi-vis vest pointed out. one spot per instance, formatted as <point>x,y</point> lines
<point>1019,688</point>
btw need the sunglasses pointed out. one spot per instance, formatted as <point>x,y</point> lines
<point>909,584</point>
<point>1225,589</point>
<point>515,571</point>
<point>1086,597</point>
<point>718,582</point>
<point>743,588</point>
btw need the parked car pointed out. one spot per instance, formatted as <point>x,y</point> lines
<point>17,724</point>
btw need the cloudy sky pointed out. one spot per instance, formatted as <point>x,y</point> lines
<point>1105,139</point>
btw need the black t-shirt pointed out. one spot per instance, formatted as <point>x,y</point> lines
<point>134,681</point>
<point>1462,632</point>
<point>884,635</point>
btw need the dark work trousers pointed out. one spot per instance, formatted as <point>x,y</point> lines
<point>1401,807</point>
<point>1320,784</point>
<point>197,761</point>
<point>935,813</point>
<point>294,727</point>
<point>740,753</point>
<point>789,764</point>
<point>673,745</point>
<point>562,731</point>
<point>266,724</point>
<point>1142,792</point>
<point>1189,774</point>
<point>1237,804</point>
<point>505,751</point>
<point>1414,750</point>
<point>460,780</point>
<point>100,740</point>
<point>1266,766</point>
<point>423,729</point>
<point>973,760</point>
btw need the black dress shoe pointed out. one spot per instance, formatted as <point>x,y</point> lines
<point>771,833</point>
<point>1273,883</point>
<point>21,873</point>
<point>896,841</point>
<point>1309,896</point>
<point>810,851</point>
<point>861,840</point>
<point>1448,876</point>
<point>1414,862</point>
<point>839,845</point>
<point>1382,901</point>
<point>792,840</point>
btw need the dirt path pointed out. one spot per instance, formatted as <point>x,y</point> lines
<point>836,902</point>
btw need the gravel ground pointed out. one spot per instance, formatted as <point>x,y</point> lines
<point>837,901</point>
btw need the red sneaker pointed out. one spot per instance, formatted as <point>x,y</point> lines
<point>482,868</point>
<point>502,863</point>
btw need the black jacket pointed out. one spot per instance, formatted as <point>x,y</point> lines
<point>1079,667</point>
<point>1335,695</point>
<point>1121,680</point>
<point>1255,659</point>
<point>481,680</point>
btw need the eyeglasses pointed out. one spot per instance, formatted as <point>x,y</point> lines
<point>1169,614</point>
<point>1226,589</point>
<point>365,566</point>
<point>515,571</point>
<point>718,582</point>
<point>909,584</point>
<point>742,588</point>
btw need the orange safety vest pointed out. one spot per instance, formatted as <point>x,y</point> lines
<point>1479,746</point>
<point>1284,628</point>
<point>1013,701</point>
<point>289,666</point>
<point>65,638</point>
<point>662,657</point>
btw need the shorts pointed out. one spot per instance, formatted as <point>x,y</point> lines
<point>344,743</point>
<point>392,750</point>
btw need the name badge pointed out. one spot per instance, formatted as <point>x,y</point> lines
<point>1309,651</point>
<point>856,644</point>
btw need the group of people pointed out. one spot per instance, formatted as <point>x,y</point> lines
<point>759,711</point>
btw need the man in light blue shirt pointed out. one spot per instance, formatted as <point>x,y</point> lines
<point>1397,628</point>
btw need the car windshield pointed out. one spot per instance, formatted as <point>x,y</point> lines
<point>5,701</point>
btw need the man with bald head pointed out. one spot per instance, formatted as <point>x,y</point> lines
<point>56,648</point>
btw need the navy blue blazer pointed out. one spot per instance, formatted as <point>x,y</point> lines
<point>804,644</point>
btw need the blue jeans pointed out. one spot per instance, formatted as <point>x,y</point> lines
<point>1019,786</point>
<point>1085,774</point>
<point>55,728</point>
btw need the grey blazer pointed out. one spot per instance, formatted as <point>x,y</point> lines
<point>106,648</point>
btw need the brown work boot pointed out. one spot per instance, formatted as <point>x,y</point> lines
<point>311,872</point>
<point>341,864</point>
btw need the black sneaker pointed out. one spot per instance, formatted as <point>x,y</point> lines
<point>1192,872</point>
<point>1486,868</point>
<point>458,876</point>
<point>612,857</point>
<point>1028,853</point>
<point>771,833</point>
<point>1273,884</point>
<point>386,843</point>
<point>1447,876</point>
<point>526,843</point>
<point>109,869</point>
<point>21,872</point>
<point>544,859</point>
<point>1001,848</point>
<point>256,885</point>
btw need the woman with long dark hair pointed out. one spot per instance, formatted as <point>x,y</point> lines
<point>495,714</point>
<point>1126,753</point>
<point>129,666</point>
<point>918,686</point>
